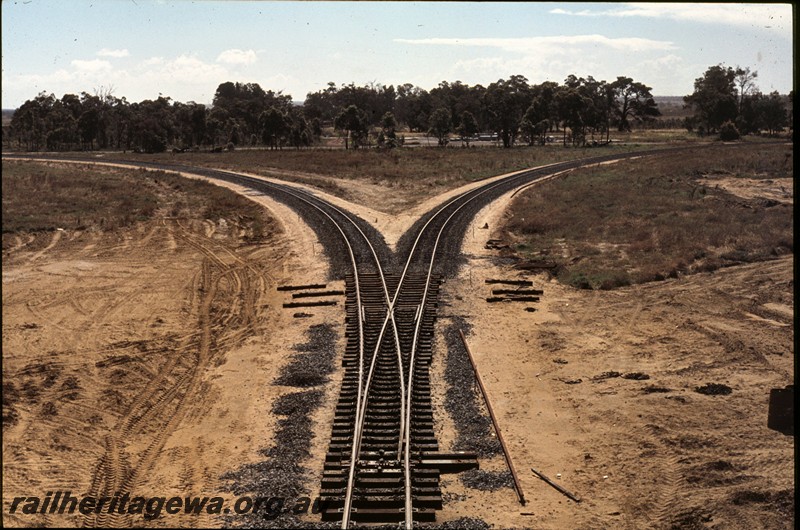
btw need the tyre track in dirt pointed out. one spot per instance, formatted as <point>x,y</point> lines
<point>54,239</point>
<point>110,476</point>
<point>95,306</point>
<point>226,311</point>
<point>244,293</point>
<point>19,244</point>
<point>671,485</point>
<point>144,376</point>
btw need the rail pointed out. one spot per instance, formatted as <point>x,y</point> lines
<point>417,292</point>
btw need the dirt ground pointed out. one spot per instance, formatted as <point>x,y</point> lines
<point>144,359</point>
<point>597,390</point>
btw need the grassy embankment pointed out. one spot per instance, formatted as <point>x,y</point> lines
<point>657,217</point>
<point>39,197</point>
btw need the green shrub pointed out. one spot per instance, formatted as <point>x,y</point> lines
<point>728,132</point>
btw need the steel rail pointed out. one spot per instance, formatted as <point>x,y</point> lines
<point>468,197</point>
<point>409,511</point>
<point>363,388</point>
<point>465,198</point>
<point>405,430</point>
<point>406,394</point>
<point>495,424</point>
<point>409,518</point>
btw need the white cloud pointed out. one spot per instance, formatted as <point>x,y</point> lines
<point>152,61</point>
<point>182,70</point>
<point>670,62</point>
<point>553,44</point>
<point>185,64</point>
<point>282,83</point>
<point>236,56</point>
<point>554,58</point>
<point>775,17</point>
<point>105,52</point>
<point>92,65</point>
<point>84,76</point>
<point>582,13</point>
<point>666,73</point>
<point>183,78</point>
<point>44,81</point>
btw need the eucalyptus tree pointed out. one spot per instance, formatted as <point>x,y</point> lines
<point>633,102</point>
<point>30,119</point>
<point>413,106</point>
<point>572,106</point>
<point>714,100</point>
<point>745,81</point>
<point>387,137</point>
<point>772,112</point>
<point>354,123</point>
<point>535,123</point>
<point>467,127</point>
<point>152,124</point>
<point>505,102</point>
<point>61,128</point>
<point>244,102</point>
<point>545,96</point>
<point>274,126</point>
<point>440,125</point>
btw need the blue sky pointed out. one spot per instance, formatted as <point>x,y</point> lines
<point>184,49</point>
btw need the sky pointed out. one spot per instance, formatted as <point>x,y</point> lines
<point>184,49</point>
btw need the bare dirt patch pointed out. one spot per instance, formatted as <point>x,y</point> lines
<point>597,389</point>
<point>142,359</point>
<point>780,190</point>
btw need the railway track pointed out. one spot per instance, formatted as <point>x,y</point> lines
<point>383,463</point>
<point>365,477</point>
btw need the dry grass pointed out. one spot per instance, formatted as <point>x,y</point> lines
<point>411,174</point>
<point>653,218</point>
<point>42,197</point>
<point>434,168</point>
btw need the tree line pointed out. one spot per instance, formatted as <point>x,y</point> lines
<point>727,101</point>
<point>578,111</point>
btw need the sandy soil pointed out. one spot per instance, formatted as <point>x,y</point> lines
<point>143,359</point>
<point>777,189</point>
<point>640,453</point>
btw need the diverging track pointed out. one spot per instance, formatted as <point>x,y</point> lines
<point>383,462</point>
